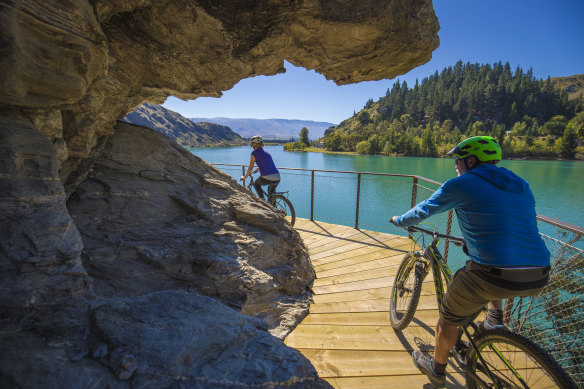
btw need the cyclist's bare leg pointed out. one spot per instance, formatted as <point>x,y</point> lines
<point>446,336</point>
<point>496,305</point>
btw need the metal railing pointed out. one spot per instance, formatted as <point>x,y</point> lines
<point>554,319</point>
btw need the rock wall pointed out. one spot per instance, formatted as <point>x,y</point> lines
<point>125,260</point>
<point>153,217</point>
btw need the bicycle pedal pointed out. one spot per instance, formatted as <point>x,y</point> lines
<point>460,350</point>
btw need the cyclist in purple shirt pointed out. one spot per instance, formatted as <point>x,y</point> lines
<point>495,209</point>
<point>269,174</point>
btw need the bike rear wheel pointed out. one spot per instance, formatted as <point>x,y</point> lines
<point>515,362</point>
<point>406,291</point>
<point>284,206</point>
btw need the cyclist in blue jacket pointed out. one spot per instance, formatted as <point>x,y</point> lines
<point>495,209</point>
<point>269,174</point>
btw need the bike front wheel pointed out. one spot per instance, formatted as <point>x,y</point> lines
<point>284,206</point>
<point>514,362</point>
<point>406,291</point>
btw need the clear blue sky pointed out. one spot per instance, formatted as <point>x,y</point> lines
<point>545,35</point>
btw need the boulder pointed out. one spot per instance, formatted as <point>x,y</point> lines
<point>153,217</point>
<point>159,340</point>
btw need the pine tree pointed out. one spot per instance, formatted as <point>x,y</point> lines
<point>569,143</point>
<point>304,136</point>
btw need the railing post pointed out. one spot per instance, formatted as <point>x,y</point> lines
<point>312,198</point>
<point>357,206</point>
<point>243,174</point>
<point>414,192</point>
<point>414,197</point>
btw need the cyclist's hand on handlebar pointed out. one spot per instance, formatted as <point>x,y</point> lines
<point>392,220</point>
<point>242,178</point>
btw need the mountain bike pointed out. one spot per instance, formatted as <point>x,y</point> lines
<point>278,200</point>
<point>489,358</point>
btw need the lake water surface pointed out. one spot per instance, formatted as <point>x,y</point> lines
<point>558,186</point>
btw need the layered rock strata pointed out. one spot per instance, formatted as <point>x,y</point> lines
<point>124,260</point>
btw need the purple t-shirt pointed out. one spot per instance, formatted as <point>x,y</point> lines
<point>264,161</point>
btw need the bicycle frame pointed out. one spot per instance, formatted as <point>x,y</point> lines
<point>432,258</point>
<point>268,196</point>
<point>489,358</point>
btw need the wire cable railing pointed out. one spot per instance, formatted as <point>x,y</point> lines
<point>554,319</point>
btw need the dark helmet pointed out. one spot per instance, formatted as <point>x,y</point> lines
<point>485,148</point>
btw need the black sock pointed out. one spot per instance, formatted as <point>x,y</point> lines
<point>439,369</point>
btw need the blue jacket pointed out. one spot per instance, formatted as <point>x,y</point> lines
<point>496,214</point>
<point>264,161</point>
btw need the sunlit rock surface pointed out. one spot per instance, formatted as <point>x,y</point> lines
<point>124,260</point>
<point>152,217</point>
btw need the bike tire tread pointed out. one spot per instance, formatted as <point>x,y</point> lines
<point>542,357</point>
<point>401,323</point>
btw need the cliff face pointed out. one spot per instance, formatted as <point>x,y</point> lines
<point>122,256</point>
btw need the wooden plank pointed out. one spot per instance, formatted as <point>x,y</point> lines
<point>427,318</point>
<point>331,233</point>
<point>315,226</point>
<point>379,305</point>
<point>355,260</point>
<point>353,235</point>
<point>336,255</point>
<point>350,242</point>
<point>301,224</point>
<point>339,363</point>
<point>387,271</point>
<point>323,243</point>
<point>344,246</point>
<point>453,380</point>
<point>365,294</point>
<point>334,232</point>
<point>353,266</point>
<point>367,337</point>
<point>356,285</point>
<point>351,306</point>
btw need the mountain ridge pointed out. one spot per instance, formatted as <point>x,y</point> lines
<point>270,128</point>
<point>184,131</point>
<point>574,84</point>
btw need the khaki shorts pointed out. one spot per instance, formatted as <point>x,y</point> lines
<point>473,286</point>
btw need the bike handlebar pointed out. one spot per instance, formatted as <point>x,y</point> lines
<point>454,239</point>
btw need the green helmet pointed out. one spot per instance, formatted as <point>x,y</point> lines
<point>485,148</point>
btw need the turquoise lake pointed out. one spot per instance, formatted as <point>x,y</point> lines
<point>558,186</point>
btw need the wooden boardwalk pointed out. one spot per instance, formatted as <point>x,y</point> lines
<point>347,335</point>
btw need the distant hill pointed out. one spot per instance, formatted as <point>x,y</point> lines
<point>182,130</point>
<point>271,128</point>
<point>574,85</point>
